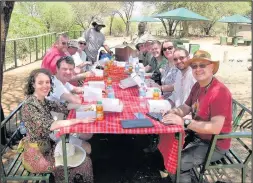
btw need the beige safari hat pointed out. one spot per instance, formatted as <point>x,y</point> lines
<point>81,39</point>
<point>73,43</point>
<point>75,155</point>
<point>204,55</point>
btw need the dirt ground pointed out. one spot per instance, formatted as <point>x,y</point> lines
<point>233,72</point>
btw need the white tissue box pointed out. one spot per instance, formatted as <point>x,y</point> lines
<point>86,111</point>
<point>137,79</point>
<point>158,105</point>
<point>92,94</point>
<point>112,105</point>
<point>150,92</point>
<point>97,84</point>
<point>126,83</point>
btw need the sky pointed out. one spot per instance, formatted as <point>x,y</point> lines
<point>137,9</point>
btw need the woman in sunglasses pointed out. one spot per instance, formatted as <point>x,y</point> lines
<point>80,56</point>
<point>170,71</point>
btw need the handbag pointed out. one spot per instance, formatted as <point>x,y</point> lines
<point>156,77</point>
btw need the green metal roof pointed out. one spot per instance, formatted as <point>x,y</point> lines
<point>235,19</point>
<point>181,14</point>
<point>144,19</point>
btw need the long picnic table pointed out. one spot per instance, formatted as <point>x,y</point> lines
<point>170,143</point>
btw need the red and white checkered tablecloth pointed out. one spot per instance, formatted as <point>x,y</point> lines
<point>168,145</point>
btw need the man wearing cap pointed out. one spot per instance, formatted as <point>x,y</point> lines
<point>143,54</point>
<point>58,50</point>
<point>95,40</point>
<point>210,103</point>
<point>72,47</point>
<point>79,74</point>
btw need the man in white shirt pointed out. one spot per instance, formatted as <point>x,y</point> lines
<point>63,91</point>
<point>184,79</point>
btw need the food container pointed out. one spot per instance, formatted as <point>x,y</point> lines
<point>112,105</point>
<point>158,105</point>
<point>85,111</point>
<point>97,84</point>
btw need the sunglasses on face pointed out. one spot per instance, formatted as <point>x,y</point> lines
<point>179,58</point>
<point>168,48</point>
<point>64,43</point>
<point>82,43</point>
<point>202,66</point>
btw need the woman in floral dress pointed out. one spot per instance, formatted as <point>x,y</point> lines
<point>38,154</point>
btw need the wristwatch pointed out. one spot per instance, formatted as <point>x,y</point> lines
<point>187,122</point>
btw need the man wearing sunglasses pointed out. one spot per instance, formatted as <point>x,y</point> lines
<point>210,103</point>
<point>79,73</point>
<point>184,79</point>
<point>58,50</point>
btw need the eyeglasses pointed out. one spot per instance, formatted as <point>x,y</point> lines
<point>202,66</point>
<point>179,58</point>
<point>168,48</point>
<point>64,43</point>
<point>82,43</point>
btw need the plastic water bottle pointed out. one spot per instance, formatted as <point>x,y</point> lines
<point>137,68</point>
<point>22,129</point>
<point>110,92</point>
<point>142,75</point>
<point>142,91</point>
<point>142,95</point>
<point>130,59</point>
<point>126,66</point>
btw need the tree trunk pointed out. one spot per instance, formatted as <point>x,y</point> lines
<point>173,29</point>
<point>185,29</point>
<point>207,30</point>
<point>112,17</point>
<point>127,28</point>
<point>6,10</point>
<point>164,25</point>
<point>170,24</point>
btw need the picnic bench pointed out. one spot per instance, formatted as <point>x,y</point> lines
<point>247,42</point>
<point>11,168</point>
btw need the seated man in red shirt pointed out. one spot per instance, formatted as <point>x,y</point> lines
<point>210,103</point>
<point>58,50</point>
